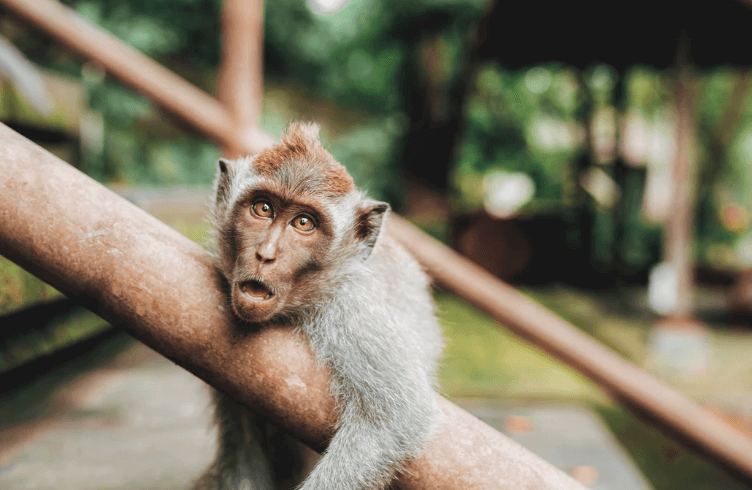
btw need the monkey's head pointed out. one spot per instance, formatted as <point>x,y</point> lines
<point>287,222</point>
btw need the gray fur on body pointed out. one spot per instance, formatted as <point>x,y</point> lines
<point>371,322</point>
<point>378,348</point>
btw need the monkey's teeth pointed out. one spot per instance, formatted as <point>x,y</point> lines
<point>256,290</point>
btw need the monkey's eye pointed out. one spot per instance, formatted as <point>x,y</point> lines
<point>262,208</point>
<point>303,222</point>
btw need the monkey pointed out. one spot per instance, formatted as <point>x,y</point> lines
<point>298,243</point>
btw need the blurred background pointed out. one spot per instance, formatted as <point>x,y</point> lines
<point>597,157</point>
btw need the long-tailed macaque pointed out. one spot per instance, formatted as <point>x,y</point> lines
<point>298,243</point>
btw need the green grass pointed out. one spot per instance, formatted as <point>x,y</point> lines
<point>482,359</point>
<point>18,288</point>
<point>39,340</point>
<point>625,335</point>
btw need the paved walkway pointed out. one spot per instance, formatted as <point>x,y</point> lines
<point>571,438</point>
<point>140,422</point>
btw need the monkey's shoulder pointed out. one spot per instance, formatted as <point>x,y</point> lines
<point>392,260</point>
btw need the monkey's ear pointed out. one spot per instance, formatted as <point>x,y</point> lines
<point>224,165</point>
<point>222,181</point>
<point>368,221</point>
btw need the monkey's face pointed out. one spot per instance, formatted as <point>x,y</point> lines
<point>288,220</point>
<point>280,245</point>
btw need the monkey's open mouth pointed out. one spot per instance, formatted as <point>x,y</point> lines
<point>256,290</point>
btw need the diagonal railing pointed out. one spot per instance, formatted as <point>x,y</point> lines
<point>455,273</point>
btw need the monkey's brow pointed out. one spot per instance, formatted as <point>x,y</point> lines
<point>303,201</point>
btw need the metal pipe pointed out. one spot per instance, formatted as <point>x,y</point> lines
<point>142,276</point>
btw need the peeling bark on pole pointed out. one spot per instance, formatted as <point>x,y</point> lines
<point>146,278</point>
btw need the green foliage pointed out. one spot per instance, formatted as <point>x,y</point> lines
<point>367,56</point>
<point>162,162</point>
<point>502,121</point>
<point>357,57</point>
<point>184,29</point>
<point>20,289</point>
<point>716,91</point>
<point>647,89</point>
<point>148,34</point>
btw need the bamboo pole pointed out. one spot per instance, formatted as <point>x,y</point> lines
<point>479,288</point>
<point>142,276</point>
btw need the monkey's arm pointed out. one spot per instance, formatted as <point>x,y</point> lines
<point>388,411</point>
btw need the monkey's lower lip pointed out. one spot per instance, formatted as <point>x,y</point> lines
<point>256,290</point>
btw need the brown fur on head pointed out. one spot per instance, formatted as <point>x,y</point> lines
<point>301,143</point>
<point>273,267</point>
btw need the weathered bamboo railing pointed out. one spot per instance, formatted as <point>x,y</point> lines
<point>456,274</point>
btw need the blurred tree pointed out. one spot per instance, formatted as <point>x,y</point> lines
<point>442,104</point>
<point>401,62</point>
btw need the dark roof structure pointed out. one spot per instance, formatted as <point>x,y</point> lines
<point>621,34</point>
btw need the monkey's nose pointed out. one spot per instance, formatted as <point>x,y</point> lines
<point>266,253</point>
<point>264,259</point>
